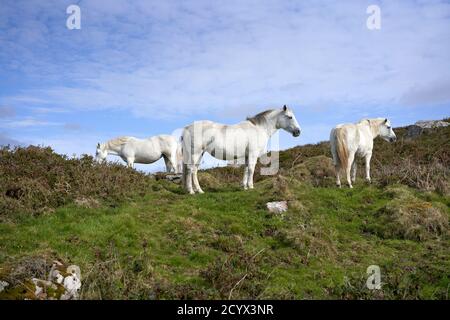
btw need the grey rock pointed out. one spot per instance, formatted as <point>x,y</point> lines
<point>420,126</point>
<point>174,177</point>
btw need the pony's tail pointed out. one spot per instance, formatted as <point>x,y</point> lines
<point>341,148</point>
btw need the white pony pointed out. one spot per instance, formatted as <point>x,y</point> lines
<point>133,150</point>
<point>246,140</point>
<point>348,140</point>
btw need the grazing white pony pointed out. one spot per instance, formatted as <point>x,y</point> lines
<point>133,150</point>
<point>348,140</point>
<point>246,140</point>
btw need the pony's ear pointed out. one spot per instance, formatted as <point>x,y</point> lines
<point>385,120</point>
<point>98,145</point>
<point>284,108</point>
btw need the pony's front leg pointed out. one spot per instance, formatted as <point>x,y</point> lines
<point>245,180</point>
<point>188,178</point>
<point>367,160</point>
<point>251,171</point>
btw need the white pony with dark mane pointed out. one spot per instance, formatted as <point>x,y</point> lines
<point>348,140</point>
<point>133,150</point>
<point>246,140</point>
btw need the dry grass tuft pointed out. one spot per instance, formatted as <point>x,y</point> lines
<point>409,217</point>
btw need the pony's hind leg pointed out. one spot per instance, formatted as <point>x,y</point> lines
<point>173,161</point>
<point>351,158</point>
<point>337,169</point>
<point>169,164</point>
<point>188,178</point>
<point>195,180</point>
<point>354,167</point>
<point>130,162</point>
<point>191,174</point>
<point>196,161</point>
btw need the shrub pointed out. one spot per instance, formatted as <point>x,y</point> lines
<point>34,180</point>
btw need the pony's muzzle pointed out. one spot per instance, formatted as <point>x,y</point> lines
<point>296,132</point>
<point>393,139</point>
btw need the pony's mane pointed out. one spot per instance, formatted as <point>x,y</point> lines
<point>260,117</point>
<point>374,123</point>
<point>117,141</point>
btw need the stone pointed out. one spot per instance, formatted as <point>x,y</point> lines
<point>176,178</point>
<point>72,284</point>
<point>277,207</point>
<point>3,285</point>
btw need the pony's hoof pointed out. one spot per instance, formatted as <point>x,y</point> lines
<point>350,186</point>
<point>191,192</point>
<point>201,191</point>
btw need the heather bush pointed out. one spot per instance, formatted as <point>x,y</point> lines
<point>34,180</point>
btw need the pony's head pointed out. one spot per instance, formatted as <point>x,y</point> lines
<point>386,131</point>
<point>100,152</point>
<point>286,120</point>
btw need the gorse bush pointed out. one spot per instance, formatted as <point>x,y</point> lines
<point>35,180</point>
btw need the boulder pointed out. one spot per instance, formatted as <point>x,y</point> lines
<point>420,126</point>
<point>277,207</point>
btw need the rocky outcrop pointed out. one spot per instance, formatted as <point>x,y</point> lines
<point>420,126</point>
<point>63,283</point>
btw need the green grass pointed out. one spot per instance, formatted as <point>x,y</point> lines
<point>144,238</point>
<point>170,245</point>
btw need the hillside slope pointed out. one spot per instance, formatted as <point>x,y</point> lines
<point>136,237</point>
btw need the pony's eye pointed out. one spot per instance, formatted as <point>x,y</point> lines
<point>289,117</point>
<point>389,127</point>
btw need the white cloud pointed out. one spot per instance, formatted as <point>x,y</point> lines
<point>166,59</point>
<point>28,122</point>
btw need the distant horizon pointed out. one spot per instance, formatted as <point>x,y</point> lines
<point>160,167</point>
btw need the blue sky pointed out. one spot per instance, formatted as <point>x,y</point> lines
<point>148,67</point>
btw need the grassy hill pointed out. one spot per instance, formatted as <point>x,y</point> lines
<point>138,237</point>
